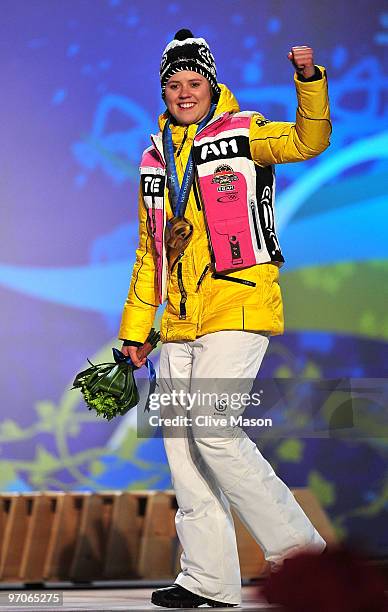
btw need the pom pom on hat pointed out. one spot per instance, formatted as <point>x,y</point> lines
<point>183,34</point>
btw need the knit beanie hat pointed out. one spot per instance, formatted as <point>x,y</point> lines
<point>188,53</point>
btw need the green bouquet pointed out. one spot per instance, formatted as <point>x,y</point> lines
<point>110,388</point>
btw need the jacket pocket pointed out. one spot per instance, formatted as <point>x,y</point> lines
<point>233,279</point>
<point>229,240</point>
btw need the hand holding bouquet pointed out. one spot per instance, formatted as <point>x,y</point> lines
<point>110,388</point>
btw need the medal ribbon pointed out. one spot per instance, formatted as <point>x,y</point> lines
<point>179,195</point>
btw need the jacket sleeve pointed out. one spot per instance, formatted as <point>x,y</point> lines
<point>142,301</point>
<point>279,142</point>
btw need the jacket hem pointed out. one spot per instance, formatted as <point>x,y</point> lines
<point>241,318</point>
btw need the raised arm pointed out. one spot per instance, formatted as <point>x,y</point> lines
<point>279,142</point>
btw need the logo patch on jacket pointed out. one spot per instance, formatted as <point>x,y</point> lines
<point>261,122</point>
<point>224,175</point>
<point>221,148</point>
<point>152,184</point>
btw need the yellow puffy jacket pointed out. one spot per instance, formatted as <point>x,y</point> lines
<point>216,304</point>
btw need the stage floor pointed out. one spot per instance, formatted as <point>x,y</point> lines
<point>110,600</point>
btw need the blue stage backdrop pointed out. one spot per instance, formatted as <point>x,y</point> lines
<point>79,96</point>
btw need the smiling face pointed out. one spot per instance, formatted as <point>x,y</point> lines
<point>188,97</point>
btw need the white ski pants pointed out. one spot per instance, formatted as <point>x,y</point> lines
<point>211,472</point>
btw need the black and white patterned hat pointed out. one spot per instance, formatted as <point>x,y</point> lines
<point>188,53</point>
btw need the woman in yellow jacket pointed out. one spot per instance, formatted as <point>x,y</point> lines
<point>218,266</point>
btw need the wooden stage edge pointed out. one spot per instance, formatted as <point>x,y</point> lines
<point>129,595</point>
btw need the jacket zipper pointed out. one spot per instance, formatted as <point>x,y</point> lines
<point>212,257</point>
<point>232,279</point>
<point>176,260</point>
<point>182,305</point>
<point>183,141</point>
<point>206,268</point>
<point>255,225</point>
<point>213,122</point>
<point>196,194</point>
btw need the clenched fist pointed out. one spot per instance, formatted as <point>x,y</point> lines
<point>303,60</point>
